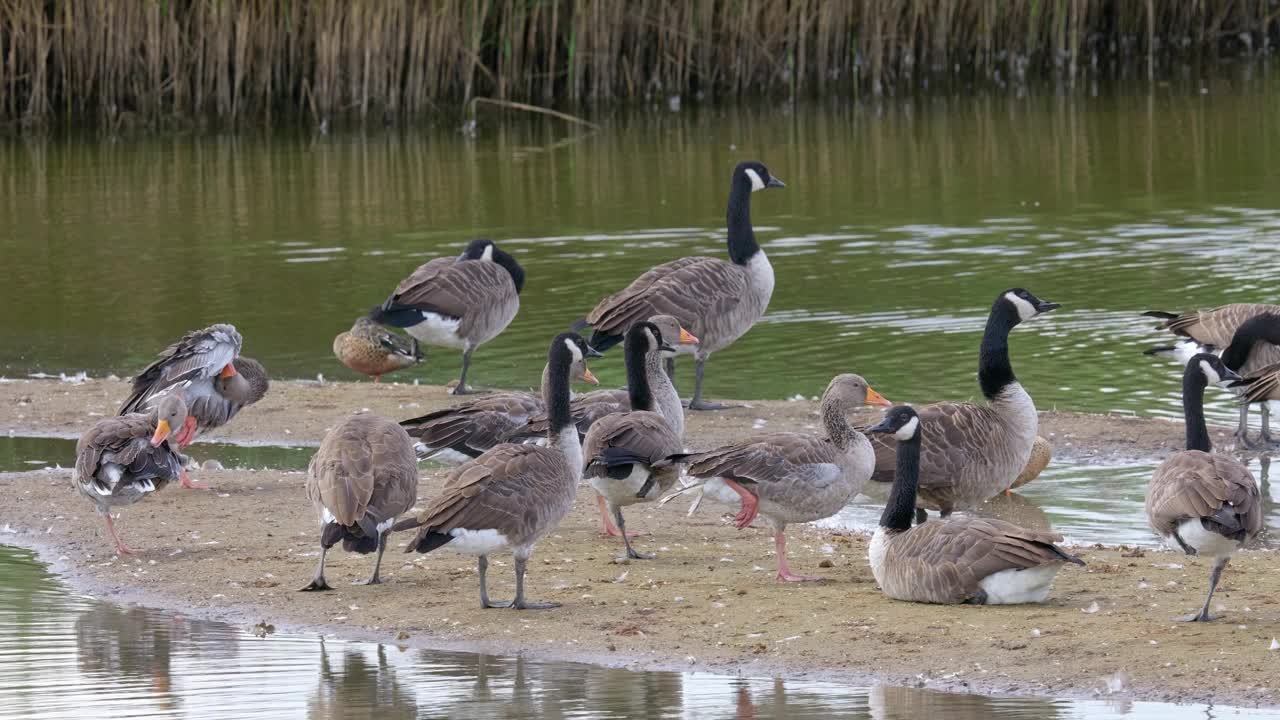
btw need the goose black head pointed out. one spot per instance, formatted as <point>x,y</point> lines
<point>569,348</point>
<point>1211,368</point>
<point>902,422</point>
<point>755,175</point>
<point>1024,304</point>
<point>485,249</point>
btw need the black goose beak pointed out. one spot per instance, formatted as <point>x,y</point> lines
<point>592,352</point>
<point>1229,375</point>
<point>664,347</point>
<point>881,427</point>
<point>1044,307</point>
<point>775,182</point>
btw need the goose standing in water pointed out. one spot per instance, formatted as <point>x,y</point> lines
<point>1215,329</point>
<point>982,561</point>
<point>716,300</point>
<point>1206,504</point>
<point>514,494</point>
<point>973,452</point>
<point>360,480</point>
<point>794,477</point>
<point>629,454</point>
<point>372,350</point>
<point>459,303</point>
<point>122,459</point>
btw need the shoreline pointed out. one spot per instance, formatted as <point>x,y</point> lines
<point>708,603</point>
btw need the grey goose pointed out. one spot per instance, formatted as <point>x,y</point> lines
<point>974,452</point>
<point>1203,503</point>
<point>514,494</point>
<point>460,303</point>
<point>361,479</point>
<point>960,559</point>
<point>793,477</point>
<point>629,455</point>
<point>123,459</point>
<point>373,350</point>
<point>717,300</point>
<point>1213,331</point>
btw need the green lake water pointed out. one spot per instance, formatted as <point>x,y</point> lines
<point>899,224</point>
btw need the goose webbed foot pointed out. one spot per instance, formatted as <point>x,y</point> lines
<point>317,585</point>
<point>701,404</point>
<point>466,390</point>
<point>375,580</point>
<point>530,605</point>
<point>1201,616</point>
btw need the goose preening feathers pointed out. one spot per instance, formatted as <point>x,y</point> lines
<point>960,559</point>
<point>360,480</point>
<point>629,455</point>
<point>513,494</point>
<point>794,477</point>
<point>717,300</point>
<point>1204,503</point>
<point>122,459</point>
<point>373,350</point>
<point>459,303</point>
<point>973,452</point>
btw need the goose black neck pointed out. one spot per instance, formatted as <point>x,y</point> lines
<point>742,238</point>
<point>508,263</point>
<point>1260,328</point>
<point>994,370</point>
<point>1193,385</point>
<point>637,381</point>
<point>901,508</point>
<point>556,394</point>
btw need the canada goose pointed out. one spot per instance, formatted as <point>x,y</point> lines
<point>371,349</point>
<point>958,559</point>
<point>122,459</point>
<point>363,476</point>
<point>1212,331</point>
<point>514,494</point>
<point>459,303</point>
<point>794,477</point>
<point>468,429</point>
<point>718,301</point>
<point>1254,354</point>
<point>1041,454</point>
<point>1207,504</point>
<point>976,451</point>
<point>629,454</point>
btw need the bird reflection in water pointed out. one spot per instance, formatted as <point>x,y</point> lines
<point>363,687</point>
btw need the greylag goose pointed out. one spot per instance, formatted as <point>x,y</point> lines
<point>515,494</point>
<point>982,561</point>
<point>361,479</point>
<point>718,300</point>
<point>459,303</point>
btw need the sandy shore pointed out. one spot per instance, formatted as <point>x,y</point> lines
<point>708,602</point>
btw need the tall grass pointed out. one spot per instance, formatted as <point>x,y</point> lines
<point>118,60</point>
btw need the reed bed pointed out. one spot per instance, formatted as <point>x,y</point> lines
<point>148,60</point>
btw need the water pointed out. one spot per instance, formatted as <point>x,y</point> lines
<point>62,652</point>
<point>33,453</point>
<point>901,221</point>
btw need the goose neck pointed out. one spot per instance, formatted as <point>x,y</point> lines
<point>665,397</point>
<point>742,238</point>
<point>901,508</point>
<point>1193,385</point>
<point>637,378</point>
<point>837,425</point>
<point>995,372</point>
<point>555,393</point>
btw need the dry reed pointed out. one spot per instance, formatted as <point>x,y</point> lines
<point>129,60</point>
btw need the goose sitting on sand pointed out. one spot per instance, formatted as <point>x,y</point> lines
<point>981,561</point>
<point>123,459</point>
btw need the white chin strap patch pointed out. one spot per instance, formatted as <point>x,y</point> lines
<point>906,431</point>
<point>488,253</point>
<point>1210,373</point>
<point>1026,310</point>
<point>573,350</point>
<point>757,183</point>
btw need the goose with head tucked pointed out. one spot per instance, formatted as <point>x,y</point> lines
<point>459,303</point>
<point>361,479</point>
<point>514,494</point>
<point>717,300</point>
<point>373,350</point>
<point>629,455</point>
<point>1206,504</point>
<point>960,559</point>
<point>123,459</point>
<point>793,477</point>
<point>1250,327</point>
<point>973,452</point>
